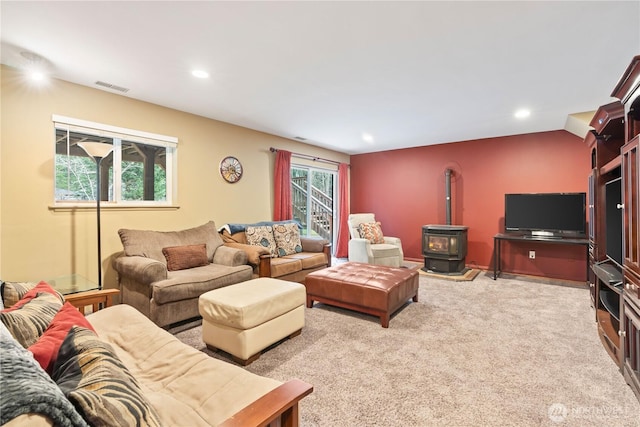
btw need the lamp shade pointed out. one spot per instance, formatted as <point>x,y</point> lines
<point>97,150</point>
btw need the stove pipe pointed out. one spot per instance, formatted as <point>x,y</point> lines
<point>447,190</point>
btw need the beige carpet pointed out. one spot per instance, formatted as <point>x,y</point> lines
<point>479,353</point>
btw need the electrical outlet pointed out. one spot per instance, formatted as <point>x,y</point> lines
<point>532,254</point>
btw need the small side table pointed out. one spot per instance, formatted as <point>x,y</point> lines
<point>72,284</point>
<point>96,299</point>
<point>83,293</point>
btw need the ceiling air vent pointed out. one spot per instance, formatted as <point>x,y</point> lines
<point>113,87</point>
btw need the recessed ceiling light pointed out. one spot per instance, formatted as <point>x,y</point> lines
<point>201,74</point>
<point>522,114</point>
<point>36,75</point>
<point>35,66</point>
<point>367,137</point>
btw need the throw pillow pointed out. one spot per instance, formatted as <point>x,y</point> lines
<point>262,236</point>
<point>239,237</point>
<point>183,257</point>
<point>25,388</point>
<point>287,237</point>
<point>371,231</point>
<point>12,292</point>
<point>30,290</point>
<point>29,318</point>
<point>45,350</point>
<point>95,380</point>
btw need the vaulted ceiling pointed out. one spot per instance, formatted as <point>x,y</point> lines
<point>354,77</point>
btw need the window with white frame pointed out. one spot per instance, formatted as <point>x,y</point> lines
<point>139,171</point>
<point>313,200</point>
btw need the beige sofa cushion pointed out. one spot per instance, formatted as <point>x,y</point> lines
<point>384,250</point>
<point>252,303</point>
<point>309,259</point>
<point>283,266</point>
<point>184,385</point>
<point>149,244</point>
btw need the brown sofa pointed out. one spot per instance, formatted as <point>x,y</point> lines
<point>181,385</point>
<point>168,296</point>
<point>314,254</point>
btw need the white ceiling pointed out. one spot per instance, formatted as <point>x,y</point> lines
<point>408,73</point>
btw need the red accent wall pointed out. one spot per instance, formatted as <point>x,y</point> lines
<point>406,190</point>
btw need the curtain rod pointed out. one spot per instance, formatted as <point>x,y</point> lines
<point>307,156</point>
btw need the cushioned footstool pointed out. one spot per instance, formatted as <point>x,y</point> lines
<point>373,289</point>
<point>245,318</point>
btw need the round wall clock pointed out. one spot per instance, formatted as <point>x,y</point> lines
<point>231,169</point>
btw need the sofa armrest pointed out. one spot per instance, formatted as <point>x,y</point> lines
<point>313,244</point>
<point>233,257</point>
<point>360,250</point>
<point>140,269</point>
<point>327,252</point>
<point>253,252</point>
<point>278,407</point>
<point>393,241</point>
<point>97,299</point>
<point>264,265</point>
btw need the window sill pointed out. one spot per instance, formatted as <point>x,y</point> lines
<point>70,207</point>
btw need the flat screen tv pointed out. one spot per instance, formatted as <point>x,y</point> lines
<point>546,214</point>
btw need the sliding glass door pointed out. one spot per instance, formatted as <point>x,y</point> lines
<point>313,195</point>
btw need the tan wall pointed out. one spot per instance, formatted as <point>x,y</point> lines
<point>37,242</point>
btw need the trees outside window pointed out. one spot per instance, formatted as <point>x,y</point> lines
<point>139,171</point>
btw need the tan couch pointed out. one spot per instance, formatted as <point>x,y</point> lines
<point>166,296</point>
<point>315,255</point>
<point>183,385</point>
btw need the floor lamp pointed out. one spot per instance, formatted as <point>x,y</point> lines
<point>97,151</point>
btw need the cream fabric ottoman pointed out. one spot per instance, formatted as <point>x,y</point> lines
<point>245,318</point>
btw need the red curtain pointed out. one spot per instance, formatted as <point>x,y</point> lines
<point>342,245</point>
<point>282,190</point>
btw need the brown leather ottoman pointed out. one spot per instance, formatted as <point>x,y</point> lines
<point>366,288</point>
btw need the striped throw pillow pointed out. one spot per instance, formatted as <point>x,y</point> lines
<point>12,292</point>
<point>29,318</point>
<point>100,386</point>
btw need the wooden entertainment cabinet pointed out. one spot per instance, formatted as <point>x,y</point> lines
<point>614,224</point>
